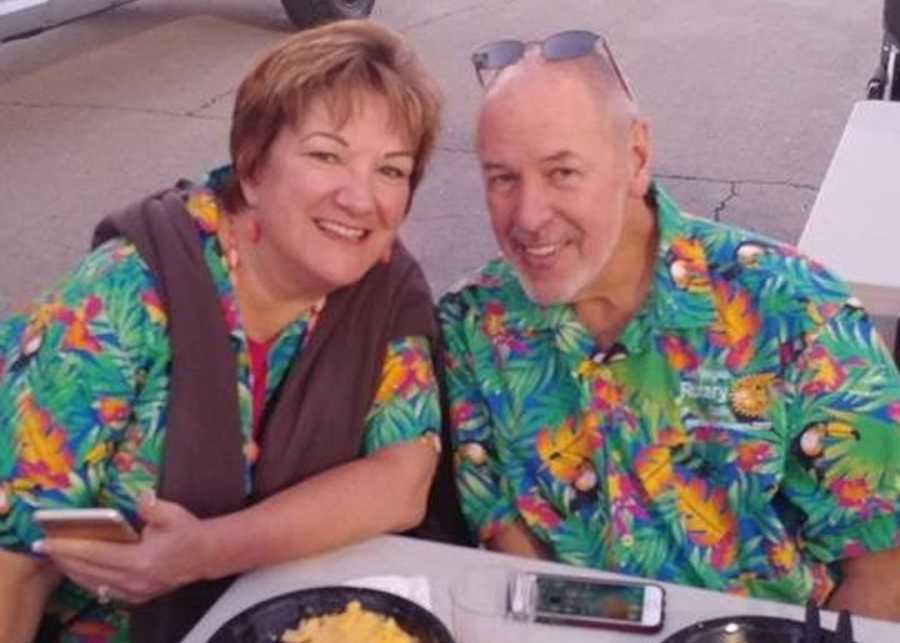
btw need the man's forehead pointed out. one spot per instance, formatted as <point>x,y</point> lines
<point>533,96</point>
<point>544,94</point>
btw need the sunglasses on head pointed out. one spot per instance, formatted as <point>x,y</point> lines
<point>490,59</point>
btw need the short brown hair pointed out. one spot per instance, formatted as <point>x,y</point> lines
<point>337,63</point>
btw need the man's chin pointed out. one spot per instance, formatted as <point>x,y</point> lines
<point>547,294</point>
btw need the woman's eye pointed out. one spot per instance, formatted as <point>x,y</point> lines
<point>325,157</point>
<point>394,172</point>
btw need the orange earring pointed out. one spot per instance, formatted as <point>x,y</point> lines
<point>232,258</point>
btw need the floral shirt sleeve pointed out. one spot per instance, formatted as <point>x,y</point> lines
<point>77,384</point>
<point>484,505</point>
<point>406,404</point>
<point>847,409</point>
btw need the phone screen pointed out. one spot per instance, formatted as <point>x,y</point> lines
<point>570,597</point>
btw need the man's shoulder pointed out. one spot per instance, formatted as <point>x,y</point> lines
<point>494,282</point>
<point>767,267</point>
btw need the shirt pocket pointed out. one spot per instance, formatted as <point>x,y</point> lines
<point>746,459</point>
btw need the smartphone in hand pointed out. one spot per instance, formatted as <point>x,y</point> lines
<point>91,524</point>
<point>592,602</point>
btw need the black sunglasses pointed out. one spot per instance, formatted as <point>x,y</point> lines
<point>491,58</point>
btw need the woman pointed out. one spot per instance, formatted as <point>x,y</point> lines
<point>255,349</point>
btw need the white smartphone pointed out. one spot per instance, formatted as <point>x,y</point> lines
<point>574,600</point>
<point>92,524</point>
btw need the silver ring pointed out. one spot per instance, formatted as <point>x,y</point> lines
<point>103,594</point>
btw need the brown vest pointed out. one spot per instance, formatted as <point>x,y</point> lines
<point>316,418</point>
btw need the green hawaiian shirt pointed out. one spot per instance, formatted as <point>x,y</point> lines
<point>84,390</point>
<point>742,435</point>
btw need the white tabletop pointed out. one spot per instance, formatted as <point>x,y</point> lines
<point>441,564</point>
<point>854,225</point>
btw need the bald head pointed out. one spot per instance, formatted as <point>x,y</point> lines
<point>533,75</point>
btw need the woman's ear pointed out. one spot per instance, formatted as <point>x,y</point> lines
<point>247,176</point>
<point>641,154</point>
<point>250,190</point>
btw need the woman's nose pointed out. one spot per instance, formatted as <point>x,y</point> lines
<point>356,196</point>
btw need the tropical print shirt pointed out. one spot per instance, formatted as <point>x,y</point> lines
<point>742,435</point>
<point>84,390</point>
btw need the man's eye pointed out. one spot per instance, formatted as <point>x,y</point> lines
<point>563,174</point>
<point>500,181</point>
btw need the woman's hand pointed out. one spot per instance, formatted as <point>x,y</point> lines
<point>383,492</point>
<point>172,553</point>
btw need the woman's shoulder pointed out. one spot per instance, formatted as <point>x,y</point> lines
<point>111,289</point>
<point>114,270</point>
<point>102,321</point>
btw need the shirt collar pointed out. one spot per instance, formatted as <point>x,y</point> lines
<point>681,295</point>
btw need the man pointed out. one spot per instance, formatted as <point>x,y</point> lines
<point>637,390</point>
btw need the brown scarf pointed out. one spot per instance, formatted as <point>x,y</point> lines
<point>316,418</point>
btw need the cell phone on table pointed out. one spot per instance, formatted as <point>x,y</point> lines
<point>591,602</point>
<point>91,524</point>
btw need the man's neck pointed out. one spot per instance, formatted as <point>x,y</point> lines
<point>622,287</point>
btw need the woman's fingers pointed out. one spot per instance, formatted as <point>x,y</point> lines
<point>97,552</point>
<point>105,590</point>
<point>120,587</point>
<point>93,564</point>
<point>167,556</point>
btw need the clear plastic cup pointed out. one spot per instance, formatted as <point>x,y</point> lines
<point>480,607</point>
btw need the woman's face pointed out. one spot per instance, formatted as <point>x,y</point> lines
<point>329,199</point>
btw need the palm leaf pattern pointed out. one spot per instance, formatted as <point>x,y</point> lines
<point>742,435</point>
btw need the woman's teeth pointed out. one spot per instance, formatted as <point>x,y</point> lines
<point>341,230</point>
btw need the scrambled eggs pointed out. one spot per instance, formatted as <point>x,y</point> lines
<point>353,625</point>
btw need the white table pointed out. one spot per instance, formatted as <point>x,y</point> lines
<point>388,555</point>
<point>854,225</point>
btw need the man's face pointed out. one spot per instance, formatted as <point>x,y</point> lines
<point>560,171</point>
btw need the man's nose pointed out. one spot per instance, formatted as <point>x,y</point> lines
<point>356,195</point>
<point>533,209</point>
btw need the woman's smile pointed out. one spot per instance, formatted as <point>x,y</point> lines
<point>341,231</point>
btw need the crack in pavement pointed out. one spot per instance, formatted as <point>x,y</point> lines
<point>719,209</point>
<point>733,185</point>
<point>762,182</point>
<point>112,108</point>
<point>209,103</point>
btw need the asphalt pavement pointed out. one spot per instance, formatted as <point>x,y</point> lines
<point>747,101</point>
